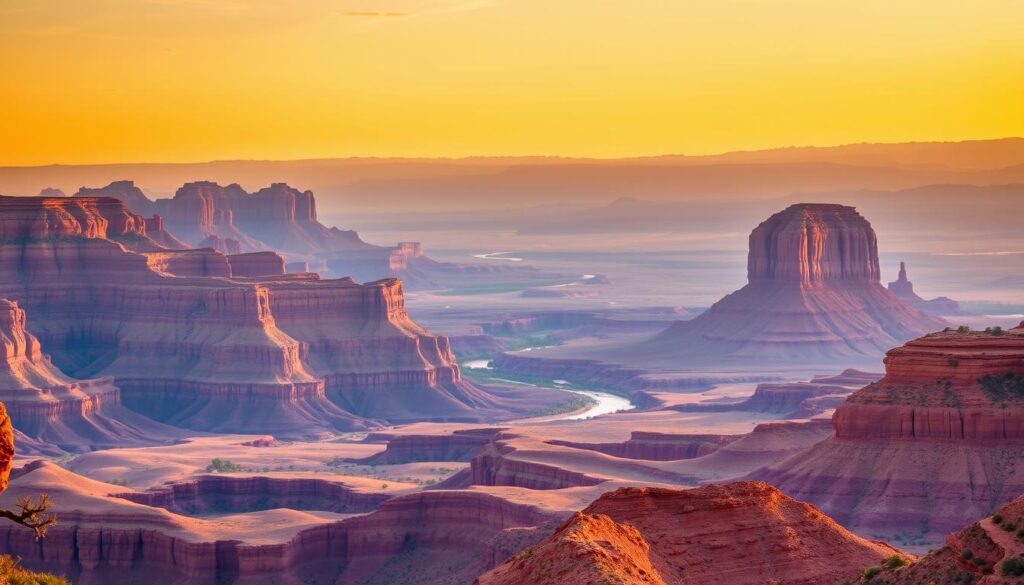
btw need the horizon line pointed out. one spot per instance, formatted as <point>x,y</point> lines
<point>517,156</point>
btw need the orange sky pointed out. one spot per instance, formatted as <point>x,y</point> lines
<point>187,80</point>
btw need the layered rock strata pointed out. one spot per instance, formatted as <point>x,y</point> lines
<point>932,445</point>
<point>813,296</point>
<point>54,413</point>
<point>447,536</point>
<point>735,534</point>
<point>191,344</point>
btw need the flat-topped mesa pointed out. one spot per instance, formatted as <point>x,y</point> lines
<point>39,218</point>
<point>698,536</point>
<point>814,243</point>
<point>56,413</point>
<point>947,386</point>
<point>255,264</point>
<point>191,339</point>
<point>124,191</point>
<point>814,297</point>
<point>931,445</point>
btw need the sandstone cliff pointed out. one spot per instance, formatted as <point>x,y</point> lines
<point>190,344</point>
<point>932,445</point>
<point>813,296</point>
<point>54,413</point>
<point>735,534</point>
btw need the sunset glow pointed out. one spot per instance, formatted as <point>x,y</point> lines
<point>189,80</point>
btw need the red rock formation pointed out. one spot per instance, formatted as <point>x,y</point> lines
<point>437,536</point>
<point>6,447</point>
<point>223,494</point>
<point>654,446</point>
<point>222,354</point>
<point>126,192</point>
<point>222,245</point>
<point>155,230</point>
<point>54,413</point>
<point>904,289</point>
<point>931,445</point>
<point>813,296</point>
<point>974,554</point>
<point>735,534</point>
<point>255,264</point>
<point>785,399</point>
<point>461,445</point>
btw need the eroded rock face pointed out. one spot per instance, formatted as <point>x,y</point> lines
<point>740,533</point>
<point>6,447</point>
<point>278,217</point>
<point>54,413</point>
<point>190,344</point>
<point>932,445</point>
<point>813,296</point>
<point>424,538</point>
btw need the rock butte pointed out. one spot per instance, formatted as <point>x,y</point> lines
<point>904,289</point>
<point>279,217</point>
<point>733,534</point>
<point>53,413</point>
<point>932,445</point>
<point>220,343</point>
<point>813,296</point>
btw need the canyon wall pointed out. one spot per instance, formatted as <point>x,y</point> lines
<point>932,445</point>
<point>190,344</point>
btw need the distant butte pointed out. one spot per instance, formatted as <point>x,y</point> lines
<point>813,296</point>
<point>904,289</point>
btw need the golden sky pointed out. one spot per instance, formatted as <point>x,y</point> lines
<point>191,80</point>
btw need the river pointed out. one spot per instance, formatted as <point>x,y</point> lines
<point>605,403</point>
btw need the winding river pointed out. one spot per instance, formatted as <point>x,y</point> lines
<point>605,403</point>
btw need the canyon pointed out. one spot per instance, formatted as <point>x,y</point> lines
<point>223,343</point>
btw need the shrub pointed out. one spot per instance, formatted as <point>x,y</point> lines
<point>1009,526</point>
<point>1013,566</point>
<point>966,554</point>
<point>1020,533</point>
<point>997,330</point>
<point>223,466</point>
<point>11,573</point>
<point>870,573</point>
<point>997,519</point>
<point>894,562</point>
<point>963,329</point>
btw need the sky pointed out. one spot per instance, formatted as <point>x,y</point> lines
<point>103,81</point>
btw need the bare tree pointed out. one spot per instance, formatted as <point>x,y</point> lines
<point>31,514</point>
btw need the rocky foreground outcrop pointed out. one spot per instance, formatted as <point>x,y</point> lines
<point>423,538</point>
<point>934,444</point>
<point>987,552</point>
<point>813,296</point>
<point>733,534</point>
<point>54,413</point>
<point>191,344</point>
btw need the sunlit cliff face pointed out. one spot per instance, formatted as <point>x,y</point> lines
<point>171,80</point>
